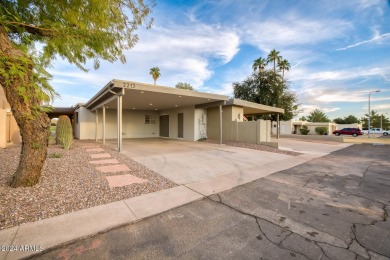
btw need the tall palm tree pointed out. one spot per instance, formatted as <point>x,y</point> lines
<point>274,57</point>
<point>259,64</point>
<point>155,72</point>
<point>283,65</point>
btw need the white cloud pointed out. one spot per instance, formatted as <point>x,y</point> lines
<point>183,54</point>
<point>291,29</point>
<point>376,38</point>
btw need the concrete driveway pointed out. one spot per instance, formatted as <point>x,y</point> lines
<point>185,162</point>
<point>333,207</point>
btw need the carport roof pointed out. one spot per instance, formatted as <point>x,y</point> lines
<point>141,96</point>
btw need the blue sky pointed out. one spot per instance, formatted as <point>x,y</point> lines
<point>339,51</point>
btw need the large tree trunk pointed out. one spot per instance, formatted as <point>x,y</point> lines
<point>32,121</point>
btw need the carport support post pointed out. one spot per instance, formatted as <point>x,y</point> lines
<point>119,122</point>
<point>220,124</point>
<point>96,124</point>
<point>277,126</point>
<point>104,124</point>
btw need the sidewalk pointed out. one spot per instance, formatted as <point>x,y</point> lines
<point>32,237</point>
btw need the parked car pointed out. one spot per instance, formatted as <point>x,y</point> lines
<point>348,131</point>
<point>375,131</point>
<point>386,132</point>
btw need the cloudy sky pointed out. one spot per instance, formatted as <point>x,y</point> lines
<point>339,51</point>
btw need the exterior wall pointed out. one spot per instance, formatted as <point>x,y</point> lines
<point>200,123</point>
<point>3,128</point>
<point>234,128</point>
<point>356,125</point>
<point>133,124</point>
<point>189,122</point>
<point>254,132</point>
<point>286,127</point>
<point>229,115</point>
<point>9,130</point>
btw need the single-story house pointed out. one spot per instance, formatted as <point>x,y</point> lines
<point>127,109</point>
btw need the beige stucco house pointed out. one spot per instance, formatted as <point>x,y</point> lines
<point>127,109</point>
<point>9,130</point>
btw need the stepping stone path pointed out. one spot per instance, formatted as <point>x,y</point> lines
<point>112,165</point>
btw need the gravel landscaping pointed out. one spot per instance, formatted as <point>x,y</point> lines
<point>68,184</point>
<point>260,147</point>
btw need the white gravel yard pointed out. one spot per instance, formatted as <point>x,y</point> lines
<point>68,184</point>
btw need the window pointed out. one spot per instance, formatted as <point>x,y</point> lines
<point>150,119</point>
<point>239,116</point>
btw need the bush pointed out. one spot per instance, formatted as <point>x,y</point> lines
<point>321,130</point>
<point>304,130</point>
<point>64,132</point>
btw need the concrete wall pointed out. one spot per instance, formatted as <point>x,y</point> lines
<point>229,115</point>
<point>234,128</point>
<point>3,128</point>
<point>254,132</point>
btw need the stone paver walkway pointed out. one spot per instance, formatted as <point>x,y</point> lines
<point>110,166</point>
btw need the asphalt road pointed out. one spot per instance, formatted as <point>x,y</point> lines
<point>333,207</point>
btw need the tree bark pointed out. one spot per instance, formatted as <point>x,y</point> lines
<point>33,123</point>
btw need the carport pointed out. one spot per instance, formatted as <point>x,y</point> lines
<point>134,97</point>
<point>139,96</point>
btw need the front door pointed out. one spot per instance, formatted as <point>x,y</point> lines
<point>180,124</point>
<point>164,126</point>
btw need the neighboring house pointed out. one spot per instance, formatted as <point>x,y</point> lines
<point>292,127</point>
<point>126,109</point>
<point>9,130</point>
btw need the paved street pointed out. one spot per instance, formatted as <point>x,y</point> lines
<point>333,207</point>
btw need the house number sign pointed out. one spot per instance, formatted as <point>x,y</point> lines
<point>128,85</point>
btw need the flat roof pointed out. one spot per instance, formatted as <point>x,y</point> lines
<point>142,96</point>
<point>251,108</point>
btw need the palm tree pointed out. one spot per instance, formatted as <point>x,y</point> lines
<point>259,64</point>
<point>274,57</point>
<point>283,65</point>
<point>155,72</point>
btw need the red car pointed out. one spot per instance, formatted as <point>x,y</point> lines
<point>348,131</point>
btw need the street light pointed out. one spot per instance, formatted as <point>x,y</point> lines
<point>382,119</point>
<point>369,111</point>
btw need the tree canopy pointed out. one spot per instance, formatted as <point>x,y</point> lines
<point>32,34</point>
<point>376,120</point>
<point>267,86</point>
<point>183,85</point>
<point>351,119</point>
<point>317,116</point>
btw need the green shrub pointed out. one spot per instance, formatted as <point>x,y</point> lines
<point>304,130</point>
<point>321,130</point>
<point>64,132</point>
<point>55,155</point>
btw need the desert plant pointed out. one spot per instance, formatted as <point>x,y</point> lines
<point>55,155</point>
<point>64,132</point>
<point>321,130</point>
<point>304,130</point>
